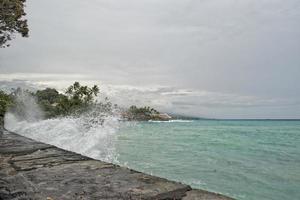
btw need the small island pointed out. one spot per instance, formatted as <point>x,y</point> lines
<point>144,114</point>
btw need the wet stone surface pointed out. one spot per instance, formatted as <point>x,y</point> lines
<point>34,170</point>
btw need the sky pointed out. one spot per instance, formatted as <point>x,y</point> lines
<point>206,58</point>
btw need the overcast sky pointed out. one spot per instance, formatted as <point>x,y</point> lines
<point>209,58</point>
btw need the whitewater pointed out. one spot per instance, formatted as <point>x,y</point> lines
<point>71,133</point>
<point>92,134</point>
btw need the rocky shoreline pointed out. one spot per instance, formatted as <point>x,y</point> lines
<point>34,170</point>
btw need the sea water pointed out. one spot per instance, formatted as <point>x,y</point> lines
<point>247,160</point>
<point>251,160</point>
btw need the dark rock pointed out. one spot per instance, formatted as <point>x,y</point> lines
<point>197,194</point>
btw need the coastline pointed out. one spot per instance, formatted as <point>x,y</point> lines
<point>35,170</point>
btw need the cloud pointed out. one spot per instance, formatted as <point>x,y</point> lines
<point>206,57</point>
<point>9,86</point>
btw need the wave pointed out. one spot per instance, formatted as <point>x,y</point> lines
<point>92,134</point>
<point>73,134</point>
<point>172,121</point>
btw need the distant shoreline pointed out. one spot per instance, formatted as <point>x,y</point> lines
<point>234,119</point>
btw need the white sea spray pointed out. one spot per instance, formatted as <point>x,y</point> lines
<point>92,134</point>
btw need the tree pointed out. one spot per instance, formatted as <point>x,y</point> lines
<point>79,94</point>
<point>12,21</point>
<point>76,100</point>
<point>5,102</point>
<point>49,94</point>
<point>48,99</point>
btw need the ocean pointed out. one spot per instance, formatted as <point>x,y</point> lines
<point>247,160</point>
<point>250,160</point>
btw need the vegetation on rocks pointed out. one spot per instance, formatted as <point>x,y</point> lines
<point>141,114</point>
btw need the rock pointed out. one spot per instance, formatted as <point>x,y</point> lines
<point>197,194</point>
<point>162,117</point>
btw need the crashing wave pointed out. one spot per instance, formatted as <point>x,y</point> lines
<point>92,133</point>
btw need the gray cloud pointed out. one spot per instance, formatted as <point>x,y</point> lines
<point>243,54</point>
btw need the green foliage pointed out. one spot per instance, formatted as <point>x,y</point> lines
<point>49,94</point>
<point>76,100</point>
<point>81,95</point>
<point>48,99</point>
<point>5,102</point>
<point>11,20</point>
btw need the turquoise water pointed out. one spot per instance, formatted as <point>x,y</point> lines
<point>242,159</point>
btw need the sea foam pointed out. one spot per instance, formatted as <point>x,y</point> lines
<point>88,134</point>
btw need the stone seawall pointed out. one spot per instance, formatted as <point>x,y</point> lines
<point>34,170</point>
